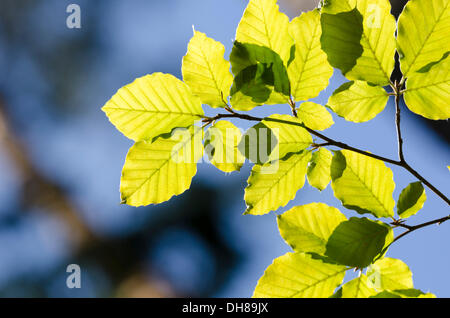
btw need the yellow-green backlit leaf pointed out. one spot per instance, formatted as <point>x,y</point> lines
<point>206,71</point>
<point>390,273</point>
<point>360,39</point>
<point>299,275</point>
<point>411,200</point>
<point>335,7</point>
<point>309,72</point>
<point>360,287</point>
<point>273,185</point>
<point>423,29</point>
<point>153,105</point>
<point>362,183</point>
<point>307,228</point>
<point>263,24</point>
<point>427,94</point>
<point>290,138</point>
<point>357,101</point>
<point>221,145</point>
<point>319,169</point>
<point>155,171</point>
<point>315,116</point>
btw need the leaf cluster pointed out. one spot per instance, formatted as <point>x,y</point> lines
<point>277,61</point>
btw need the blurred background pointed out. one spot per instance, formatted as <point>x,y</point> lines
<point>61,160</point>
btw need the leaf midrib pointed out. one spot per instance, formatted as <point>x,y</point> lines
<point>158,169</point>
<point>278,180</point>
<point>369,189</point>
<point>151,111</point>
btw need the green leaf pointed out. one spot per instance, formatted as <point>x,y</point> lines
<point>387,294</point>
<point>341,35</point>
<point>390,273</point>
<point>206,71</point>
<point>359,40</point>
<point>307,228</point>
<point>315,116</point>
<point>403,293</point>
<point>154,172</point>
<point>358,241</point>
<point>274,184</point>
<point>264,25</point>
<point>337,294</point>
<point>360,287</point>
<point>221,145</point>
<point>319,169</point>
<point>153,105</point>
<point>414,293</point>
<point>299,275</point>
<point>249,88</point>
<point>362,183</point>
<point>309,71</point>
<point>258,143</point>
<point>291,138</point>
<point>411,200</point>
<point>427,94</point>
<point>261,77</point>
<point>428,22</point>
<point>273,138</point>
<point>358,101</point>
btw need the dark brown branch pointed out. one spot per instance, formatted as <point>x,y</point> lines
<point>335,143</point>
<point>397,87</point>
<point>329,141</point>
<point>397,122</point>
<point>425,181</point>
<point>292,104</point>
<point>419,226</point>
<point>316,146</point>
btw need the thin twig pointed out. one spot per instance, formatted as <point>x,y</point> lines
<point>397,122</point>
<point>335,143</point>
<point>330,141</point>
<point>315,146</point>
<point>425,181</point>
<point>397,88</point>
<point>419,226</point>
<point>292,104</point>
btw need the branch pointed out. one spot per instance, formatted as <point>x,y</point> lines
<point>331,142</point>
<point>397,88</point>
<point>316,146</point>
<point>425,181</point>
<point>292,104</point>
<point>419,226</point>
